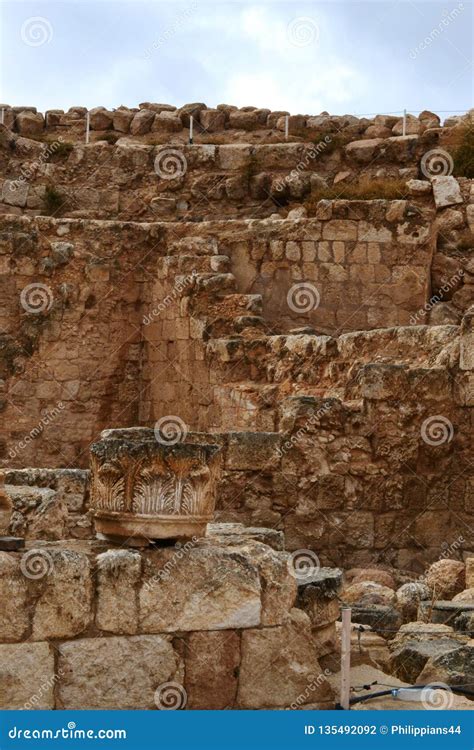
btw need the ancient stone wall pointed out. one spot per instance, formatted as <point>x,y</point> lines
<point>208,625</point>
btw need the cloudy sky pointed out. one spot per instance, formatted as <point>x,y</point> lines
<point>343,57</point>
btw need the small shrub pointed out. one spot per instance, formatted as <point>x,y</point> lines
<point>60,149</point>
<point>464,154</point>
<point>111,138</point>
<point>53,200</point>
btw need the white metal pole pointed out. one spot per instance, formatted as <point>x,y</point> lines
<point>191,123</point>
<point>345,657</point>
<point>88,123</point>
<point>2,117</point>
<point>286,126</point>
<point>404,132</point>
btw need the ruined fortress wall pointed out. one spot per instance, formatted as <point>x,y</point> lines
<point>98,330</point>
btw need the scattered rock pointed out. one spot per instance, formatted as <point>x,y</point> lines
<point>445,578</point>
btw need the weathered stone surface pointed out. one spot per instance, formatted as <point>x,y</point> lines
<point>440,612</point>
<point>445,578</point>
<point>470,572</point>
<point>26,676</point>
<point>225,532</point>
<point>207,589</point>
<point>122,119</point>
<point>408,660</point>
<point>358,575</point>
<point>142,122</point>
<point>14,616</point>
<point>279,664</point>
<point>213,120</point>
<point>408,598</point>
<point>38,513</point>
<point>446,191</point>
<point>212,663</point>
<point>29,123</point>
<point>364,151</point>
<point>255,451</point>
<point>454,667</point>
<point>100,118</point>
<point>63,589</point>
<point>116,672</point>
<point>366,593</point>
<point>118,577</point>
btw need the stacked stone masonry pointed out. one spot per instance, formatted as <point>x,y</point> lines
<point>215,618</point>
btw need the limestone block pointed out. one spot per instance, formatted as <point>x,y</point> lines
<point>166,122</point>
<point>118,574</point>
<point>64,605</point>
<point>363,151</point>
<point>253,451</point>
<point>279,664</point>
<point>446,191</point>
<point>212,661</point>
<point>243,120</point>
<point>14,616</point>
<point>234,156</point>
<point>122,119</point>
<point>279,585</point>
<point>26,676</point>
<point>340,229</point>
<point>142,122</point>
<point>38,513</point>
<point>29,123</point>
<point>419,187</point>
<point>15,193</point>
<point>199,588</point>
<point>115,673</point>
<point>100,118</point>
<point>213,120</point>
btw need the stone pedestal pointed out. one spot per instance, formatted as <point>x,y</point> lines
<point>143,489</point>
